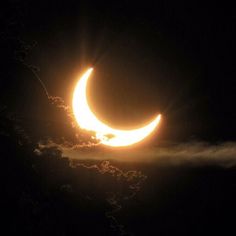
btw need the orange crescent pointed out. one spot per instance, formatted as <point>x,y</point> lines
<point>107,135</point>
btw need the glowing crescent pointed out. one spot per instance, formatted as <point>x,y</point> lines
<point>107,135</point>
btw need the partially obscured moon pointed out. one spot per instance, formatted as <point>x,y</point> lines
<point>107,135</point>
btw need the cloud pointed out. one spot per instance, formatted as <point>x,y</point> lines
<point>130,180</point>
<point>194,153</point>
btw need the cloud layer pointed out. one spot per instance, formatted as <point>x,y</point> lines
<point>194,153</point>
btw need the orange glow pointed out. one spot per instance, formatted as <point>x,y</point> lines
<point>107,135</point>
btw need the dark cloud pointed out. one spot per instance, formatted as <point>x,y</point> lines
<point>133,180</point>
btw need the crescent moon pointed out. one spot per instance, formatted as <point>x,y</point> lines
<point>87,120</point>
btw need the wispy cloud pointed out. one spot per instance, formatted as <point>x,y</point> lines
<point>196,153</point>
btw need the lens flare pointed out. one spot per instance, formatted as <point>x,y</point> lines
<point>87,120</point>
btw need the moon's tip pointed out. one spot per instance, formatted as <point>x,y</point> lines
<point>88,72</point>
<point>159,116</point>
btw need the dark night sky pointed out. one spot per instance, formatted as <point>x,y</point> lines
<point>149,57</point>
<point>173,58</point>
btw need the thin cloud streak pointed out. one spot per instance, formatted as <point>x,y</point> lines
<point>197,153</point>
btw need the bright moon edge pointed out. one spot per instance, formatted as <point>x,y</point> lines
<point>87,120</point>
